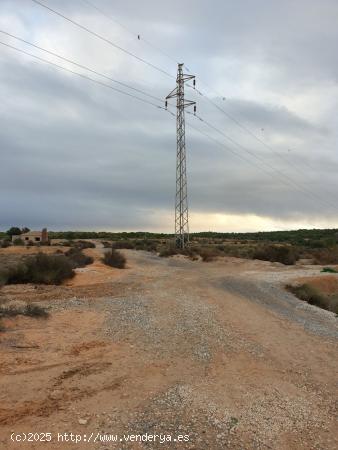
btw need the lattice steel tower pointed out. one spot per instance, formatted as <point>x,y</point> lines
<point>181,202</point>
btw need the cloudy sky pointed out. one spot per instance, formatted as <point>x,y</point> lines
<point>77,155</point>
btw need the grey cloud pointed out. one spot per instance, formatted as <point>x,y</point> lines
<point>77,155</point>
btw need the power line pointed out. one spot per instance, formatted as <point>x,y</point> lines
<point>81,66</point>
<point>286,179</point>
<point>228,149</point>
<point>233,119</point>
<point>136,35</point>
<point>133,96</point>
<point>102,38</point>
<point>138,98</point>
<point>158,69</point>
<point>246,129</point>
<point>129,53</point>
<point>82,76</point>
<point>105,85</point>
<point>243,158</point>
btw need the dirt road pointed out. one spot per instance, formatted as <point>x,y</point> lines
<point>215,352</point>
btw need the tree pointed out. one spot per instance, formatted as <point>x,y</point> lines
<point>25,230</point>
<point>13,231</point>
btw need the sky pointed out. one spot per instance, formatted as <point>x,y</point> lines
<point>75,154</point>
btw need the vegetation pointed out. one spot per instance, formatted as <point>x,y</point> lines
<point>77,258</point>
<point>193,252</point>
<point>18,241</point>
<point>149,245</point>
<point>316,238</point>
<point>311,295</point>
<point>30,309</point>
<point>35,311</point>
<point>282,254</point>
<point>114,259</point>
<point>120,244</point>
<point>82,244</point>
<point>325,256</point>
<point>5,243</point>
<point>39,269</point>
<point>319,246</point>
<point>13,231</point>
<point>329,270</point>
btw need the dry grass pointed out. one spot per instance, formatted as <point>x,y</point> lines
<point>311,295</point>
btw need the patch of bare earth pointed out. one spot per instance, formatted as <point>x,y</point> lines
<point>174,347</point>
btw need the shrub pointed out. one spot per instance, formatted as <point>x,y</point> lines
<point>78,259</point>
<point>146,245</point>
<point>30,310</point>
<point>35,311</point>
<point>18,241</point>
<point>40,269</point>
<point>45,243</point>
<point>82,244</point>
<point>273,253</point>
<point>114,259</point>
<point>5,243</point>
<point>123,244</point>
<point>169,251</point>
<point>312,295</point>
<point>326,256</point>
<point>208,254</point>
<point>329,270</point>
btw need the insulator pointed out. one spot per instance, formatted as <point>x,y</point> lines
<point>195,110</point>
<point>166,104</point>
<point>194,82</point>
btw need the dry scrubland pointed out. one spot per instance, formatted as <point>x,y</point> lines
<point>212,344</point>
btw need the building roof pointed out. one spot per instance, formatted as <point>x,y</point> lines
<point>32,233</point>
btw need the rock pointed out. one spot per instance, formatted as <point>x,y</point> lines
<point>83,421</point>
<point>56,394</point>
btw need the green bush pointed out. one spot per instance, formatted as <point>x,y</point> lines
<point>146,245</point>
<point>13,231</point>
<point>169,251</point>
<point>30,310</point>
<point>77,258</point>
<point>40,269</point>
<point>123,244</point>
<point>5,243</point>
<point>114,259</point>
<point>18,241</point>
<point>283,254</point>
<point>329,270</point>
<point>35,311</point>
<point>82,244</point>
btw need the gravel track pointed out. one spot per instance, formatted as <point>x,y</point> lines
<point>217,351</point>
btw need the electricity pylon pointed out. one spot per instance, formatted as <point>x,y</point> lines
<point>181,201</point>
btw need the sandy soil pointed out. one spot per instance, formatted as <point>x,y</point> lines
<point>215,351</point>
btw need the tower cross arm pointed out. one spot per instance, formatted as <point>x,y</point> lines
<point>172,94</point>
<point>186,77</point>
